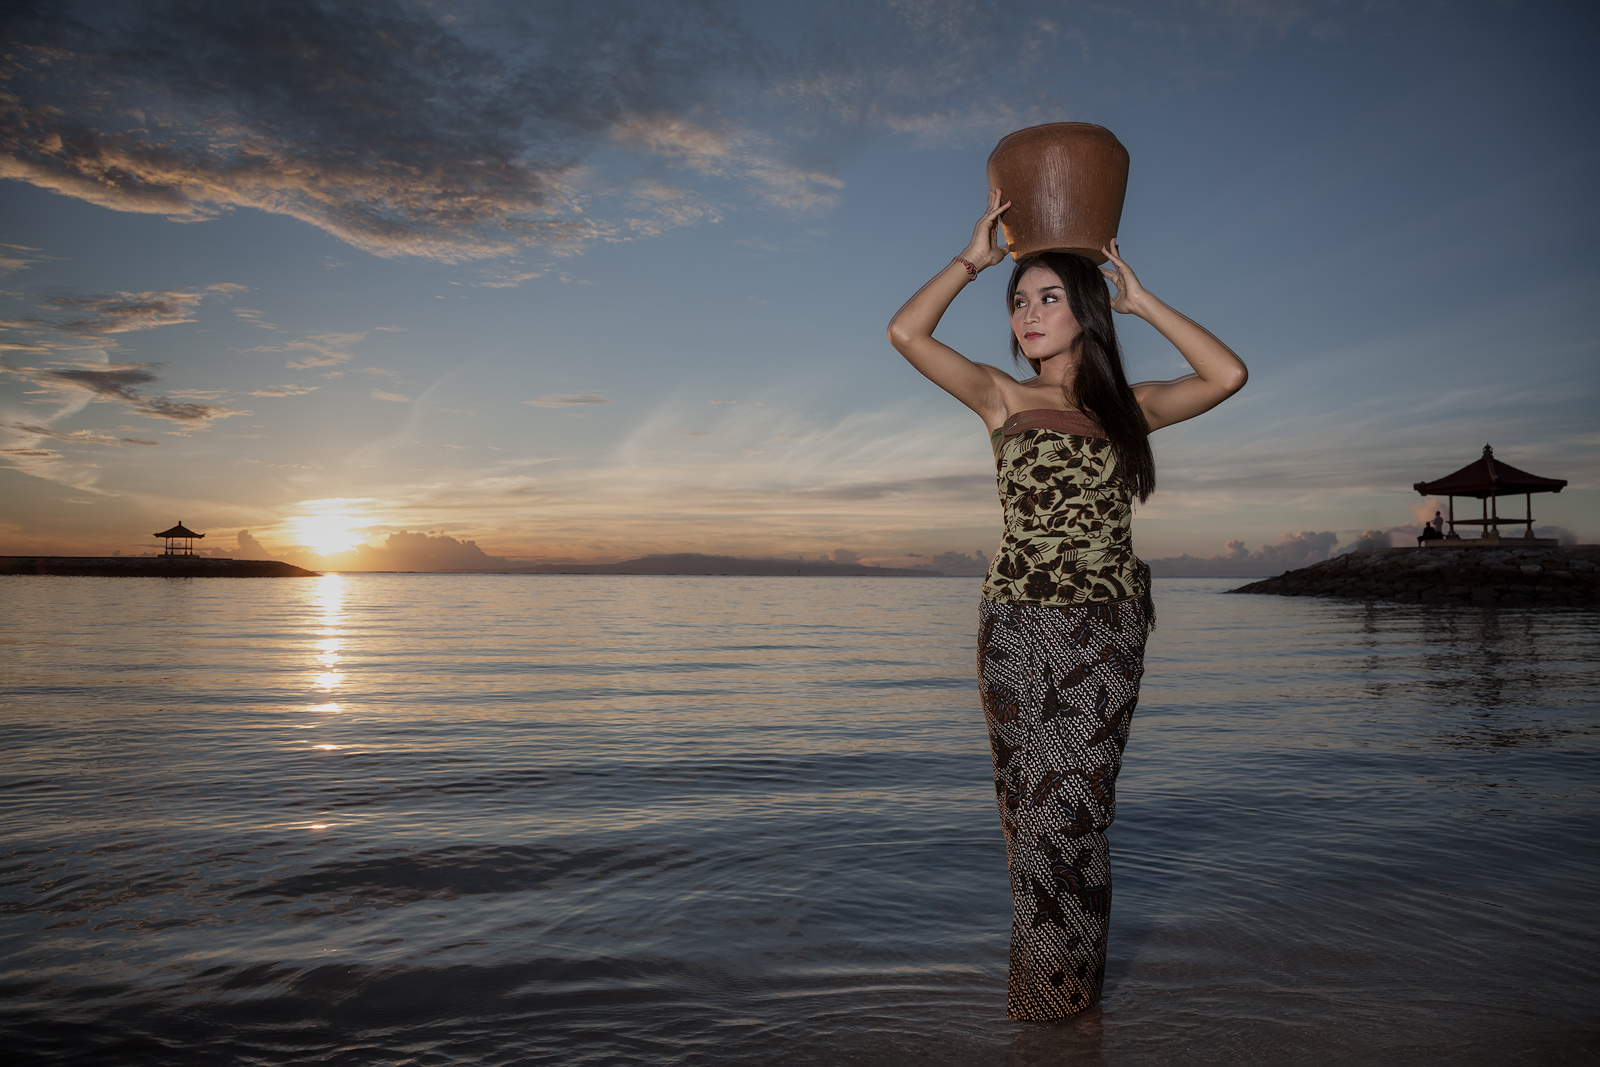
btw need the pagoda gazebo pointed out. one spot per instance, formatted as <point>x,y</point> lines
<point>182,533</point>
<point>1488,479</point>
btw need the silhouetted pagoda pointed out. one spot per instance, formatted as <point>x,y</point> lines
<point>182,533</point>
<point>1488,479</point>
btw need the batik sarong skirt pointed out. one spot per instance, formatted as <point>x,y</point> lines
<point>1059,686</point>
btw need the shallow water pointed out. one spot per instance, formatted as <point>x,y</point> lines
<point>445,819</point>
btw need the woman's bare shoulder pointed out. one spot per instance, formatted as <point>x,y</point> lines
<point>1010,396</point>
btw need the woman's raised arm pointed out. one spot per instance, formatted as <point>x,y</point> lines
<point>1218,371</point>
<point>911,330</point>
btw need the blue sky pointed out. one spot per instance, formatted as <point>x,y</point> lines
<point>590,280</point>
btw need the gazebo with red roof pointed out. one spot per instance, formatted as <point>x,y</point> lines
<point>182,533</point>
<point>1489,479</point>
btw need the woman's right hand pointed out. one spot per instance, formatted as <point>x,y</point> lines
<point>980,387</point>
<point>985,249</point>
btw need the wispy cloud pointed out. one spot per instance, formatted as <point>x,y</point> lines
<point>567,400</point>
<point>122,383</point>
<point>255,317</point>
<point>873,478</point>
<point>17,257</point>
<point>86,437</point>
<point>508,278</point>
<point>284,390</point>
<point>327,349</point>
<point>122,312</point>
<point>726,153</point>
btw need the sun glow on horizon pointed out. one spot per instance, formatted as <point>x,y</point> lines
<point>327,532</point>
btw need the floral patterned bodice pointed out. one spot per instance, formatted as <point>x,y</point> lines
<point>1068,518</point>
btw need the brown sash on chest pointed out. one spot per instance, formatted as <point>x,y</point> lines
<point>1073,422</point>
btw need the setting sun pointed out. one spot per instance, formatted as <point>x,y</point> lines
<point>326,533</point>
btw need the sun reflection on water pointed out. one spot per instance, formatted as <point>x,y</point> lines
<point>329,596</point>
<point>324,653</point>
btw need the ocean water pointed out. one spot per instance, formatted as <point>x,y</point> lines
<point>490,819</point>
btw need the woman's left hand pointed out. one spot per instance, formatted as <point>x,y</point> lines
<point>1218,371</point>
<point>1129,293</point>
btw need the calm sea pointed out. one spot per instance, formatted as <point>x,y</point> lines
<point>441,819</point>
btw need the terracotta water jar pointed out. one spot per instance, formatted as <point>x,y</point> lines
<point>1065,181</point>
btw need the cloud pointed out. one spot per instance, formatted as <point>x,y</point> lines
<point>379,394</point>
<point>915,474</point>
<point>454,133</point>
<point>1370,539</point>
<point>419,552</point>
<point>126,312</point>
<point>122,312</point>
<point>400,551</point>
<point>327,349</point>
<point>255,317</point>
<point>119,383</point>
<point>1292,550</point>
<point>724,153</point>
<point>563,400</point>
<point>975,565</point>
<point>867,480</point>
<point>250,548</point>
<point>284,390</point>
<point>462,131</point>
<point>507,278</point>
<point>960,127</point>
<point>12,257</point>
<point>86,437</point>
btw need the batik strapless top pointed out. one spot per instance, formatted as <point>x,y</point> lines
<point>1069,536</point>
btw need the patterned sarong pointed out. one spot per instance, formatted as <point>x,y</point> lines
<point>1059,686</point>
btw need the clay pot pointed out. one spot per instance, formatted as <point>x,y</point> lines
<point>1065,181</point>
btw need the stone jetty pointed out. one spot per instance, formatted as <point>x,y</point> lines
<point>1504,575</point>
<point>175,566</point>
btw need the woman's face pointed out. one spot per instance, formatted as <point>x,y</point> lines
<point>1041,317</point>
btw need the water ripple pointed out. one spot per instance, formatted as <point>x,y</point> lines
<point>408,819</point>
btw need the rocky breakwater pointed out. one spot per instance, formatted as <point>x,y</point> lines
<point>1564,575</point>
<point>152,567</point>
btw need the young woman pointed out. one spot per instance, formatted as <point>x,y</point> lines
<point>1066,606</point>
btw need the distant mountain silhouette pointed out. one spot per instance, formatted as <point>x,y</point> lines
<point>696,563</point>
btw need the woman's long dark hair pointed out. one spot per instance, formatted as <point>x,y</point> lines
<point>1100,388</point>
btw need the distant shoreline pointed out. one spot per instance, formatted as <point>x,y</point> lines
<point>689,563</point>
<point>693,564</point>
<point>219,567</point>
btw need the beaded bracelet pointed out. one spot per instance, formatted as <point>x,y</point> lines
<point>972,272</point>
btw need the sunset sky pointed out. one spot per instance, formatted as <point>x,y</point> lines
<point>579,280</point>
